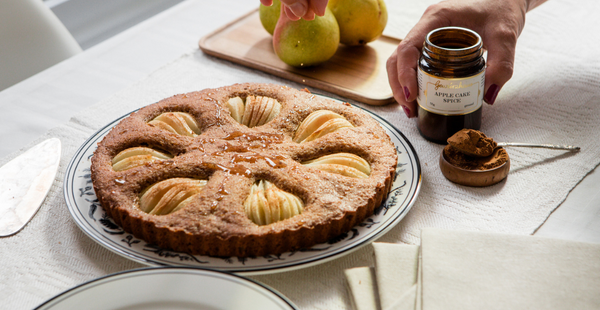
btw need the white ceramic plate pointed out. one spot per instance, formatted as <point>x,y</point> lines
<point>91,218</point>
<point>173,288</point>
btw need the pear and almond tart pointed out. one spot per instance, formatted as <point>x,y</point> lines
<point>244,170</point>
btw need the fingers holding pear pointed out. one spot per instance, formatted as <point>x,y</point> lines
<point>301,41</point>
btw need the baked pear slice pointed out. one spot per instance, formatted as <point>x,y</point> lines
<point>250,105</point>
<point>346,164</point>
<point>177,122</point>
<point>169,195</point>
<point>137,156</point>
<point>255,111</point>
<point>236,107</point>
<point>268,204</point>
<point>318,124</point>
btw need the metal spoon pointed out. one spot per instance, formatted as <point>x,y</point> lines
<point>547,146</point>
<point>475,143</point>
<point>490,150</point>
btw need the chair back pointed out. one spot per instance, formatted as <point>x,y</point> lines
<point>32,39</point>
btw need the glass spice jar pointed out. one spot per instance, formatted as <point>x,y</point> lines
<point>451,79</point>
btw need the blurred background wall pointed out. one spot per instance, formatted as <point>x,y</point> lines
<point>93,21</point>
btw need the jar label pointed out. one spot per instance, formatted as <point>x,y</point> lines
<point>450,96</point>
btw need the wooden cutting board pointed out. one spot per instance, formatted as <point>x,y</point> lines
<point>357,73</point>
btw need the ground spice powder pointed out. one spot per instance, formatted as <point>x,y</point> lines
<point>459,159</point>
<point>473,142</point>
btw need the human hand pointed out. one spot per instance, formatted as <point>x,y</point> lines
<point>296,9</point>
<point>499,23</point>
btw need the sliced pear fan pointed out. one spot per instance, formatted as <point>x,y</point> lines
<point>169,195</point>
<point>177,122</point>
<point>256,111</point>
<point>137,156</point>
<point>318,124</point>
<point>346,164</point>
<point>268,204</point>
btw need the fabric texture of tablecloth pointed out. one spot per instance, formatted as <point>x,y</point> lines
<point>553,98</point>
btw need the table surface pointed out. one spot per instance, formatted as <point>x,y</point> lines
<point>50,98</point>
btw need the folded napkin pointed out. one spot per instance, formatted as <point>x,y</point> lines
<point>469,270</point>
<point>479,270</point>
<point>361,281</point>
<point>396,273</point>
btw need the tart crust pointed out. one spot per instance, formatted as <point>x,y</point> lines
<point>232,157</point>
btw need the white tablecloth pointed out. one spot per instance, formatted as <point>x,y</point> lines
<point>552,98</point>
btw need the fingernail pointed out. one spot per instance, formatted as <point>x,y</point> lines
<point>406,93</point>
<point>298,9</point>
<point>406,111</point>
<point>491,94</point>
<point>289,14</point>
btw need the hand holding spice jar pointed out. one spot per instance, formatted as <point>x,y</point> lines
<point>499,23</point>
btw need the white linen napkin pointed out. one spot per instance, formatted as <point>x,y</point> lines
<point>396,274</point>
<point>469,270</point>
<point>361,282</point>
<point>483,270</point>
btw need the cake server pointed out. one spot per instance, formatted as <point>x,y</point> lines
<point>24,183</point>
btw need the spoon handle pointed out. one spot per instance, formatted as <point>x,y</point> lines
<point>547,146</point>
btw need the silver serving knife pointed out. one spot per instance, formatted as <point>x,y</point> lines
<point>24,183</point>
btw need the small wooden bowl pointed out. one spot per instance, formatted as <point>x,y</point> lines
<point>476,178</point>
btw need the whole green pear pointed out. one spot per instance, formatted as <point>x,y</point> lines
<point>360,21</point>
<point>305,43</point>
<point>269,15</point>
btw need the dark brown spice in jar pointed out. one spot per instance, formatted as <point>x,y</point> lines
<point>451,78</point>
